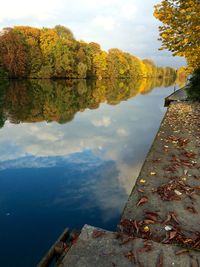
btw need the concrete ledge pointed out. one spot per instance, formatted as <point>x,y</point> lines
<point>96,247</point>
<point>177,96</point>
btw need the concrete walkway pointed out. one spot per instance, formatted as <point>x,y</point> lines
<point>160,225</point>
<point>166,197</point>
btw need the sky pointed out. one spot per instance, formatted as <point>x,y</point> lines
<point>125,24</point>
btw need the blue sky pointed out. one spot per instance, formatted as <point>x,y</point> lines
<point>128,25</point>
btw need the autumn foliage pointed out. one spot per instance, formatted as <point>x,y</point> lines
<point>13,53</point>
<point>55,53</point>
<point>180,30</point>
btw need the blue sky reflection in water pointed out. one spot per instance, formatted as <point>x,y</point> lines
<point>56,175</point>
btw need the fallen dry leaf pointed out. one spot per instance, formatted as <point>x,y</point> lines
<point>172,234</point>
<point>147,247</point>
<point>160,260</point>
<point>182,251</point>
<point>97,233</point>
<point>173,215</point>
<point>151,216</point>
<point>191,209</point>
<point>130,256</point>
<point>142,201</point>
<point>140,190</point>
<point>136,226</point>
<point>196,187</point>
<point>149,221</point>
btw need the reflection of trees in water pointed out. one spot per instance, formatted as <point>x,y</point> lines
<point>60,100</point>
<point>3,87</point>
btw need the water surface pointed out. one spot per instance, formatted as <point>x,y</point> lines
<point>70,153</point>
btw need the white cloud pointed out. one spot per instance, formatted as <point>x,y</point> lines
<point>45,135</point>
<point>129,10</point>
<point>101,3</point>
<point>128,175</point>
<point>48,137</point>
<point>104,122</point>
<point>107,22</point>
<point>37,9</point>
<point>140,28</point>
<point>34,129</point>
<point>122,132</point>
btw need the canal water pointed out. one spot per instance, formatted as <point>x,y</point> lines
<point>70,152</point>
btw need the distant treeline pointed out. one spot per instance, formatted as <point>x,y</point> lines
<point>27,52</point>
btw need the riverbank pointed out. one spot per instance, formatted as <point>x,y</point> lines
<point>165,202</point>
<point>160,223</point>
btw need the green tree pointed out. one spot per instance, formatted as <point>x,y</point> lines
<point>34,54</point>
<point>82,70</point>
<point>64,32</point>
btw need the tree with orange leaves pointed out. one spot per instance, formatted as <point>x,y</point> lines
<point>13,53</point>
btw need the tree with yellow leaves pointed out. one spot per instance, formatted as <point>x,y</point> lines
<point>27,52</point>
<point>180,32</point>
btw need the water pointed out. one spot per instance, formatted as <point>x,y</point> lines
<point>70,153</point>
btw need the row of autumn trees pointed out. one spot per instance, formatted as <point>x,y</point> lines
<point>55,53</point>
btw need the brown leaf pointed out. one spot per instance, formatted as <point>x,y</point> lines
<point>168,219</point>
<point>130,255</point>
<point>196,187</point>
<point>136,226</point>
<point>188,241</point>
<point>156,160</point>
<point>189,155</point>
<point>160,260</point>
<point>174,217</point>
<point>147,221</point>
<point>197,244</point>
<point>140,190</point>
<point>142,201</point>
<point>147,247</point>
<point>172,234</point>
<point>151,216</point>
<point>182,251</point>
<point>191,209</point>
<point>97,233</point>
